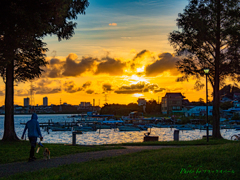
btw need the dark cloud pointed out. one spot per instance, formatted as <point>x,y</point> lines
<point>47,90</point>
<point>86,84</point>
<point>107,87</point>
<point>152,87</point>
<point>70,87</point>
<point>54,61</point>
<point>72,68</point>
<point>128,91</point>
<point>44,82</point>
<point>53,69</point>
<point>140,87</point>
<point>140,54</point>
<point>54,72</point>
<point>44,86</point>
<point>89,91</point>
<point>137,59</point>
<point>21,92</point>
<point>110,66</point>
<point>165,62</point>
<point>159,90</point>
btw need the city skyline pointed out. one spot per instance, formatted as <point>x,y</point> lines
<point>120,49</point>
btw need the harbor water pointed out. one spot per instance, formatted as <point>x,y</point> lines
<point>105,136</point>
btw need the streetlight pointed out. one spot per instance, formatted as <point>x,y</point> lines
<point>206,71</point>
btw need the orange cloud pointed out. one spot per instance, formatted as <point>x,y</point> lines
<point>72,68</point>
<point>112,24</point>
<point>110,66</point>
<point>165,62</point>
<point>140,87</point>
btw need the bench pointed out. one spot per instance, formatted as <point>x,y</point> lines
<point>150,138</point>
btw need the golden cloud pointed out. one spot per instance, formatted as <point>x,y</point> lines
<point>112,24</point>
<point>165,62</point>
<point>110,66</point>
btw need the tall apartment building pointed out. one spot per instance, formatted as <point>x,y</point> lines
<point>26,101</point>
<point>45,101</point>
<point>172,102</point>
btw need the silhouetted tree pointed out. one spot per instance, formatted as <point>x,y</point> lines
<point>23,24</point>
<point>152,107</point>
<point>229,90</point>
<point>226,105</point>
<point>209,38</point>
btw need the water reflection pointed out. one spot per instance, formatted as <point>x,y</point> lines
<point>106,136</point>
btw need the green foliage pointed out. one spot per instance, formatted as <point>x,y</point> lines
<point>208,37</point>
<point>153,107</point>
<point>123,110</point>
<point>197,40</point>
<point>119,109</point>
<point>226,105</point>
<point>229,90</point>
<point>236,117</point>
<point>23,26</point>
<point>184,120</point>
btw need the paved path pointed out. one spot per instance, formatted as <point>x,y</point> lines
<point>13,168</point>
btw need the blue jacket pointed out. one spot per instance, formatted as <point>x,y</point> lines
<point>33,127</point>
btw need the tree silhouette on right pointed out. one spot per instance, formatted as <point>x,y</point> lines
<point>208,36</point>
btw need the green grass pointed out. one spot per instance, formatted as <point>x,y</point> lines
<point>202,162</point>
<point>19,151</point>
<point>179,143</point>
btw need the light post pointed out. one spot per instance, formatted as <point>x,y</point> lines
<point>206,71</point>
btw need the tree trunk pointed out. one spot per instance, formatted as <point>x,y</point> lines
<point>216,100</point>
<point>9,130</point>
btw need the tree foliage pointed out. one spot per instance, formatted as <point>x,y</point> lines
<point>209,37</point>
<point>23,25</point>
<point>120,109</point>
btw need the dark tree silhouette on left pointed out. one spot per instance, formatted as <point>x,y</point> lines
<point>22,51</point>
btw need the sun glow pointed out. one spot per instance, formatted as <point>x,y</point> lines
<point>137,95</point>
<point>140,69</point>
<point>134,79</point>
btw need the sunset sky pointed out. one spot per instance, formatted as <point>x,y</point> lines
<point>120,48</point>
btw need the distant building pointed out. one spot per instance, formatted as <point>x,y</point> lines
<point>172,102</point>
<point>199,111</point>
<point>26,101</point>
<point>85,104</point>
<point>142,102</point>
<point>45,101</point>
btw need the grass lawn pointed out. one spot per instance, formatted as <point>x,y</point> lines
<point>19,151</point>
<point>179,143</point>
<point>192,162</point>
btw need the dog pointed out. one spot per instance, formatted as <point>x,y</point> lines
<point>46,154</point>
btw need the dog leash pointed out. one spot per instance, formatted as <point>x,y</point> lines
<point>39,145</point>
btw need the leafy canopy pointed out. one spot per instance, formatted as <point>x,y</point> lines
<point>196,39</point>
<point>24,24</point>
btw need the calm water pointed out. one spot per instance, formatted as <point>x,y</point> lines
<point>105,136</point>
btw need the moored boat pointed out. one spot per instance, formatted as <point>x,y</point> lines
<point>61,128</point>
<point>129,128</point>
<point>85,128</point>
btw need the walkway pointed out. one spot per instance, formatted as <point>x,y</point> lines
<point>19,167</point>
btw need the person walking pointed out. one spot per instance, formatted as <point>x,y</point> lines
<point>33,133</point>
